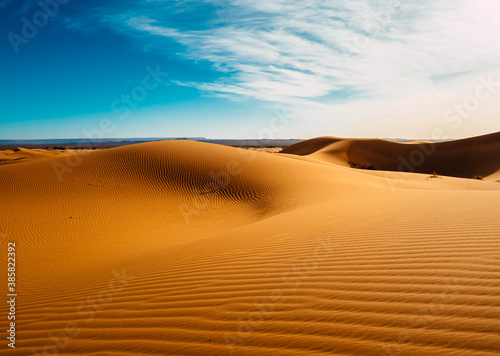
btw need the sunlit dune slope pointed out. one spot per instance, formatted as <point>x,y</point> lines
<point>468,158</point>
<point>21,155</point>
<point>110,197</point>
<point>187,248</point>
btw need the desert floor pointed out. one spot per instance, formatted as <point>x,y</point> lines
<point>188,248</point>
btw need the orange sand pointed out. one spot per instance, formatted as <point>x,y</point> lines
<point>187,248</point>
<point>21,155</point>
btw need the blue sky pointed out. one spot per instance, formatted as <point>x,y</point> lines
<point>236,68</point>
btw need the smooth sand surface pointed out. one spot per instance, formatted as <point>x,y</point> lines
<point>187,248</point>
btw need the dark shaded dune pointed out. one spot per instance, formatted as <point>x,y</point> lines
<point>307,147</point>
<point>468,158</point>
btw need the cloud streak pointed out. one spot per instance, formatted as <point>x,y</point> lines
<point>308,53</point>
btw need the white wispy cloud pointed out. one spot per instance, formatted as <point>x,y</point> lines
<point>378,54</point>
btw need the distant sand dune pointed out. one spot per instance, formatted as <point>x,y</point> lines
<point>187,248</point>
<point>21,155</point>
<point>468,158</point>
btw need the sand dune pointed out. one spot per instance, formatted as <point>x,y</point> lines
<point>21,155</point>
<point>187,248</point>
<point>469,158</point>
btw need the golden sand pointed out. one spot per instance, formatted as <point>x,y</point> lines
<point>187,248</point>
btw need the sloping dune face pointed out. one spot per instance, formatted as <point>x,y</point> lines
<point>21,155</point>
<point>469,158</point>
<point>186,248</point>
